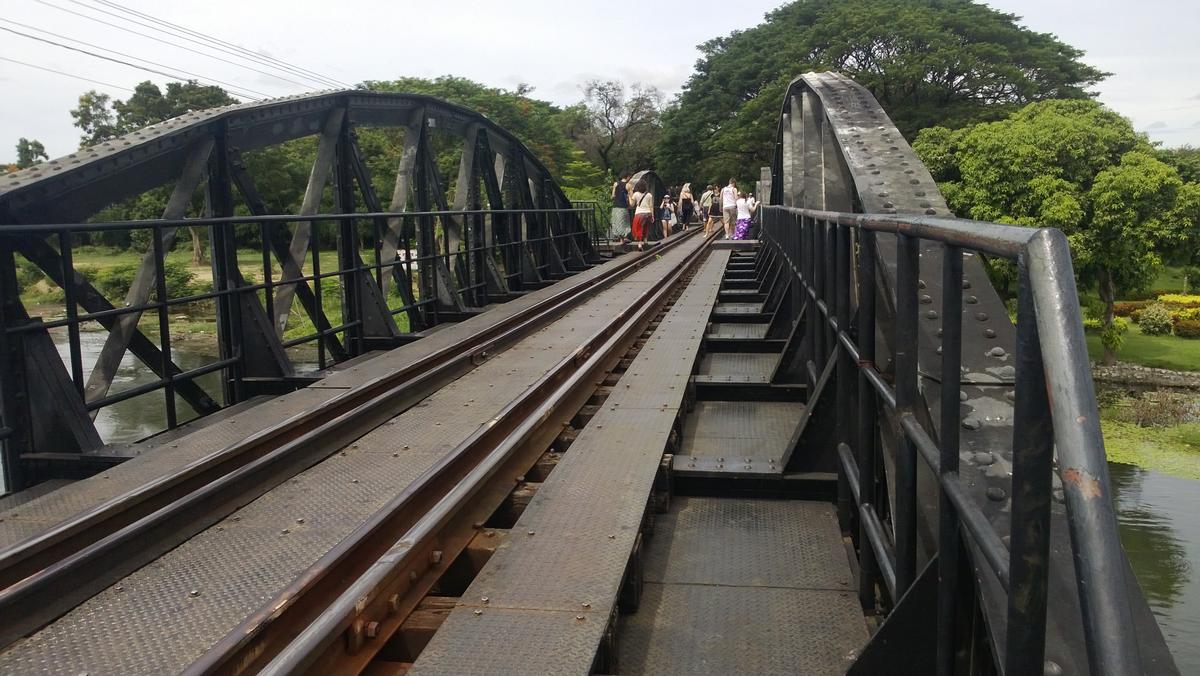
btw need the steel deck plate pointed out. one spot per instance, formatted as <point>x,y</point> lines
<point>744,586</point>
<point>41,513</point>
<point>744,331</point>
<point>737,437</point>
<point>737,367</point>
<point>150,622</point>
<point>542,603</point>
<point>733,308</point>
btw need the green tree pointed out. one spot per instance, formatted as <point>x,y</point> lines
<point>618,131</point>
<point>928,62</point>
<point>30,152</point>
<point>1185,159</point>
<point>101,118</point>
<point>1076,166</point>
<point>536,123</point>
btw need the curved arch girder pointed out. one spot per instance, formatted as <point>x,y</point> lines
<point>70,188</point>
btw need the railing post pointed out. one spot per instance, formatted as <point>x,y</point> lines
<point>164,324</point>
<point>948,533</point>
<point>1029,533</point>
<point>905,357</point>
<point>807,255</point>
<point>845,367</point>
<point>867,414</point>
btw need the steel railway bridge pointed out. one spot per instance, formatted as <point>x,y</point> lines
<point>825,450</point>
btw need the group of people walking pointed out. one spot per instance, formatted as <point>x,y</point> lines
<point>634,212</point>
<point>733,208</point>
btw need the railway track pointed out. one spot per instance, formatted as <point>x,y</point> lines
<point>46,575</point>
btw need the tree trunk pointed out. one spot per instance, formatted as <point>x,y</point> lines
<point>1108,294</point>
<point>197,246</point>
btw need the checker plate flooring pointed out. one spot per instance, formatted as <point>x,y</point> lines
<point>741,586</point>
<point>737,437</point>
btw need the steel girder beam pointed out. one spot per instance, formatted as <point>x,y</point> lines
<point>837,150</point>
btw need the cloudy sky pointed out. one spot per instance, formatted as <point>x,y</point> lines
<point>1151,47</point>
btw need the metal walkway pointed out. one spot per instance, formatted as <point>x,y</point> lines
<point>744,586</point>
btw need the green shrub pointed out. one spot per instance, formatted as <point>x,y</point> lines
<point>114,281</point>
<point>1179,300</point>
<point>1155,320</point>
<point>1189,328</point>
<point>1113,336</point>
<point>1126,308</point>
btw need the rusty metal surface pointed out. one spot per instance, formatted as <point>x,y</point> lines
<point>744,586</point>
<point>543,600</point>
<point>730,438</point>
<point>150,622</point>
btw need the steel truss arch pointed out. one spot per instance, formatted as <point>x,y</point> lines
<point>836,150</point>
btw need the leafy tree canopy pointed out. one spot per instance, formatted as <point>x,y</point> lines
<point>1077,166</point>
<point>30,153</point>
<point>100,117</point>
<point>928,62</point>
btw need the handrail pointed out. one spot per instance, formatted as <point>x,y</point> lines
<point>1053,382</point>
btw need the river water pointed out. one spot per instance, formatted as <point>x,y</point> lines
<point>1159,515</point>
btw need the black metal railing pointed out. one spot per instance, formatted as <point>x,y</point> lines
<point>835,259</point>
<point>524,247</point>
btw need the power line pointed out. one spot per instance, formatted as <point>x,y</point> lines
<point>153,63</point>
<point>264,58</point>
<point>109,58</point>
<point>59,72</point>
<point>165,42</point>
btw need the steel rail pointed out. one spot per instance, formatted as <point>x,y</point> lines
<point>47,574</point>
<point>379,573</point>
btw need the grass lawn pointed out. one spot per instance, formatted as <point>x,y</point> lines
<point>1170,450</point>
<point>1166,352</point>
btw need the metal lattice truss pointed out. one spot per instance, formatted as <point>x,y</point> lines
<point>496,172</point>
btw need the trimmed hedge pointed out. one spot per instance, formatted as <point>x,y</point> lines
<point>1156,320</point>
<point>1189,328</point>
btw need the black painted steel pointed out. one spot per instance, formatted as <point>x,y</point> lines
<point>1044,365</point>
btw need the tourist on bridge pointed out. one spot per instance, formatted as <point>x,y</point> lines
<point>714,209</point>
<point>687,205</point>
<point>745,207</point>
<point>621,214</point>
<point>729,197</point>
<point>706,202</point>
<point>643,216</point>
<point>666,211</point>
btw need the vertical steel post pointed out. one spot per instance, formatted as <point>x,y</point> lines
<point>347,242</point>
<point>811,326</point>
<point>164,324</point>
<point>68,277</point>
<point>1033,452</point>
<point>224,261</point>
<point>904,520</point>
<point>866,414</point>
<point>316,275</point>
<point>845,367</point>
<point>948,533</point>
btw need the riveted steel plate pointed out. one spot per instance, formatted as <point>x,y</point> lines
<point>553,585</point>
<point>737,437</point>
<point>738,367</point>
<point>151,623</point>
<point>745,331</point>
<point>699,629</point>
